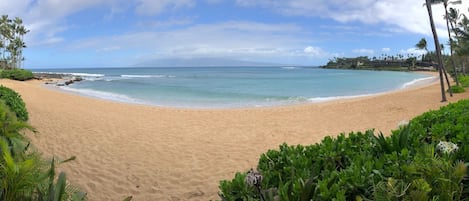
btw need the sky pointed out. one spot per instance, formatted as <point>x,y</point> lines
<point>123,33</point>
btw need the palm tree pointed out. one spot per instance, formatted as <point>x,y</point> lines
<point>11,41</point>
<point>19,31</point>
<point>428,4</point>
<point>458,21</point>
<point>5,35</point>
<point>422,45</point>
<point>447,18</point>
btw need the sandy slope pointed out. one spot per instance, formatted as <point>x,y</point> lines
<point>179,154</point>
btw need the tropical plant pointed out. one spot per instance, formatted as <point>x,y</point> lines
<point>20,175</point>
<point>424,160</point>
<point>12,32</point>
<point>24,175</point>
<point>451,43</point>
<point>422,45</point>
<point>464,79</point>
<point>441,67</point>
<point>14,101</point>
<point>457,89</point>
<point>11,131</point>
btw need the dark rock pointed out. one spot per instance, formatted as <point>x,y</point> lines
<point>68,82</point>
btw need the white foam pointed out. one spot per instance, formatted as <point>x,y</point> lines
<point>289,67</point>
<point>419,82</point>
<point>147,76</point>
<point>45,72</point>
<point>74,74</point>
<point>86,74</point>
<point>103,95</point>
<point>331,98</point>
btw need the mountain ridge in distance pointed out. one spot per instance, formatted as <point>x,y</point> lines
<point>204,62</point>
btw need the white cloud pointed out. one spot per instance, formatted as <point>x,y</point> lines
<point>385,49</point>
<point>363,51</point>
<point>47,18</point>
<point>166,23</point>
<point>152,7</point>
<point>13,7</point>
<point>315,52</point>
<point>246,40</point>
<point>404,15</point>
<point>413,52</point>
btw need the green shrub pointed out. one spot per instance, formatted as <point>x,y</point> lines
<point>410,164</point>
<point>17,74</point>
<point>457,89</point>
<point>464,80</point>
<point>24,175</point>
<point>14,101</point>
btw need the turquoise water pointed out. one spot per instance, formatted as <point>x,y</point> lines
<point>233,87</point>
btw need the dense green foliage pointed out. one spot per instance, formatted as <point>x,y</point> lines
<point>464,80</point>
<point>17,74</point>
<point>457,89</point>
<point>416,162</point>
<point>24,175</point>
<point>14,101</point>
<point>398,63</point>
<point>12,33</point>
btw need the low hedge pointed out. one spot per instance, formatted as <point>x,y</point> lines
<point>17,74</point>
<point>14,101</point>
<point>464,80</point>
<point>424,160</point>
<point>457,89</point>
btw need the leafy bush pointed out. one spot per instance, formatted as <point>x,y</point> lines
<point>24,175</point>
<point>464,80</point>
<point>413,163</point>
<point>457,89</point>
<point>14,101</point>
<point>17,74</point>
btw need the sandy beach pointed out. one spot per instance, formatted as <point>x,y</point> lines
<point>157,153</point>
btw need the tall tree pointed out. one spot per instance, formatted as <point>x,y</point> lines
<point>5,35</point>
<point>428,4</point>
<point>422,45</point>
<point>11,42</point>
<point>19,32</point>
<point>460,26</point>
<point>447,18</point>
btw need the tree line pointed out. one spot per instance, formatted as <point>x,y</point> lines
<point>457,25</point>
<point>12,43</point>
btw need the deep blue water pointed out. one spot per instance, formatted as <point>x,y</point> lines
<point>232,87</point>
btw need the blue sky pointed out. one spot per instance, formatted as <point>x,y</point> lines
<point>120,33</point>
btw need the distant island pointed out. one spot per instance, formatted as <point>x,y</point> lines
<point>204,62</point>
<point>387,63</point>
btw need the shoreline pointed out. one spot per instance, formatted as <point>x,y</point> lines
<point>121,98</point>
<point>160,153</point>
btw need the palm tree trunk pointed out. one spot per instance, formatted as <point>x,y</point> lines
<point>438,50</point>
<point>447,82</point>
<point>451,45</point>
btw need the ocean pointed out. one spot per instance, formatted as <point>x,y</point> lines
<point>232,87</point>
